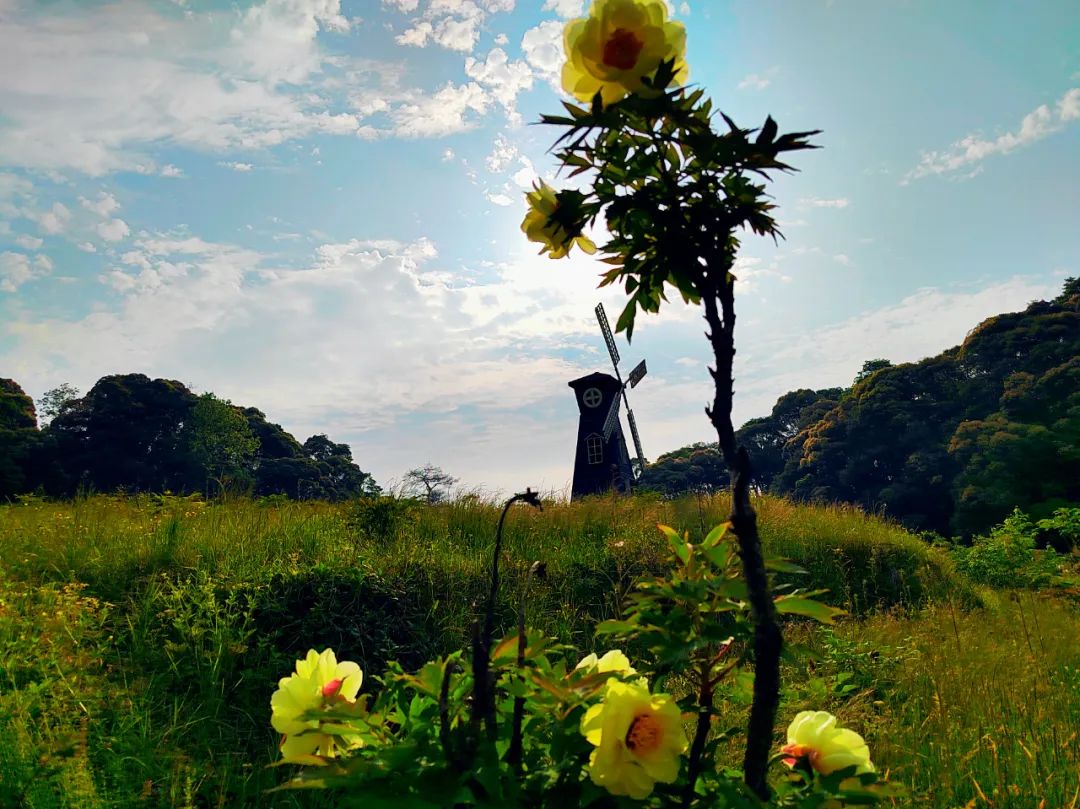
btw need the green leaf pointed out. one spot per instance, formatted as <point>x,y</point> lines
<point>677,542</point>
<point>783,566</point>
<point>808,608</point>
<point>715,535</point>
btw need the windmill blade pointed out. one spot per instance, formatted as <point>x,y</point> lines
<point>637,440</point>
<point>612,419</point>
<point>609,338</point>
<point>637,374</point>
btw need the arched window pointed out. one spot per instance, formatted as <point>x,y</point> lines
<point>594,446</point>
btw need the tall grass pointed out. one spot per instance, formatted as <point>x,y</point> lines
<point>140,638</point>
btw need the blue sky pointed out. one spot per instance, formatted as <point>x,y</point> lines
<point>312,206</point>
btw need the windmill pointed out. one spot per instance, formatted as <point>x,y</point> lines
<point>602,461</point>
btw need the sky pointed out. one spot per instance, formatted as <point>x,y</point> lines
<point>313,207</point>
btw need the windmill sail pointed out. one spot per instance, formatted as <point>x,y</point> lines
<point>612,419</point>
<point>637,441</point>
<point>609,338</point>
<point>637,374</point>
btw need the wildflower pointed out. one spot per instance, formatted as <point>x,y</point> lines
<point>620,42</point>
<point>319,681</point>
<point>814,737</point>
<point>614,662</point>
<point>539,226</point>
<point>638,738</point>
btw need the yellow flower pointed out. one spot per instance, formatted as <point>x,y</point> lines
<point>638,738</point>
<point>814,736</point>
<point>616,45</point>
<point>319,681</point>
<point>614,662</point>
<point>539,227</point>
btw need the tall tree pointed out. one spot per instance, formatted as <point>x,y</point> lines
<point>429,482</point>
<point>53,402</point>
<point>340,477</point>
<point>219,444</point>
<point>19,437</point>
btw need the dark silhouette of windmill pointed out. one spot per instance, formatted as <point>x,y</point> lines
<point>602,461</point>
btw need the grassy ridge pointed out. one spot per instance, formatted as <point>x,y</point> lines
<point>140,638</point>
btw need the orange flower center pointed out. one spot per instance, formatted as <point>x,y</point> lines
<point>800,751</point>
<point>622,49</point>
<point>331,688</point>
<point>644,734</point>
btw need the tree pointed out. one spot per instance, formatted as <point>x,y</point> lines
<point>870,367</point>
<point>428,481</point>
<point>125,433</point>
<point>955,442</point>
<point>19,437</point>
<point>341,478</point>
<point>53,402</point>
<point>219,443</point>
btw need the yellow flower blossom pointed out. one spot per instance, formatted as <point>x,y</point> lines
<point>538,226</point>
<point>814,737</point>
<point>614,662</point>
<point>616,45</point>
<point>638,738</point>
<point>318,682</point>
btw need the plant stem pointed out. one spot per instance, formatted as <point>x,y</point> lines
<point>768,640</point>
<point>701,733</point>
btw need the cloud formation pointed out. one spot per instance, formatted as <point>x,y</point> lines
<point>968,153</point>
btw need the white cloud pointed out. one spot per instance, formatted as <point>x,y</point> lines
<point>28,242</point>
<point>17,268</point>
<point>237,166</point>
<point>417,36</point>
<point>442,113</point>
<point>502,39</point>
<point>87,247</point>
<point>969,151</point>
<point>453,24</point>
<point>500,199</point>
<point>542,48</point>
<point>447,155</point>
<point>103,206</point>
<point>134,79</point>
<point>843,258</point>
<point>171,171</point>
<point>759,81</point>
<point>113,230</point>
<point>503,79</point>
<point>55,220</point>
<point>565,8</point>
<point>814,202</point>
<point>276,39</point>
<point>406,6</point>
<point>503,153</point>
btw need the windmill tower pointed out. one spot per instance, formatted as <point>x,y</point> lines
<point>602,461</point>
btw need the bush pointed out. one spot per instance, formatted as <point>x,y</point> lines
<point>1008,557</point>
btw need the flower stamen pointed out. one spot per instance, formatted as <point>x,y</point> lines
<point>622,49</point>
<point>644,735</point>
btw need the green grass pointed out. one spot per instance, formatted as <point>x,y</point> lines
<point>140,638</point>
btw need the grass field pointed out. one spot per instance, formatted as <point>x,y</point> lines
<point>140,638</point>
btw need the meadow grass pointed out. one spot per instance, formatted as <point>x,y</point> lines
<point>140,638</point>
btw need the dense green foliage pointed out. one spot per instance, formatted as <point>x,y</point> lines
<point>141,638</point>
<point>950,444</point>
<point>137,434</point>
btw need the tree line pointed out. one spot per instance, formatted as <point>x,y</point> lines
<point>137,434</point>
<point>950,444</point>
